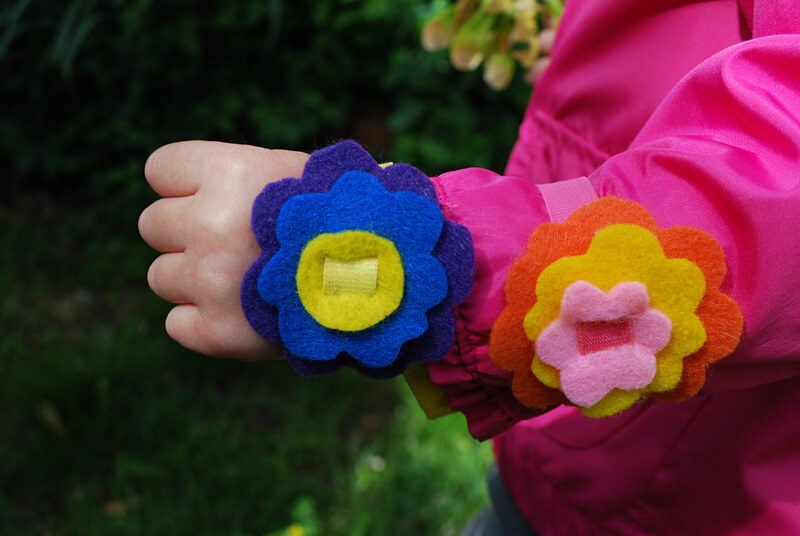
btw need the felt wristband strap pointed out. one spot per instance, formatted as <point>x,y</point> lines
<point>358,266</point>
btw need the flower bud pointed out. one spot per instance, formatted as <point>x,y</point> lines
<point>472,42</point>
<point>438,31</point>
<point>526,52</point>
<point>498,71</point>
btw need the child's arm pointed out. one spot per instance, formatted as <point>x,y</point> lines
<point>202,225</point>
<point>720,154</point>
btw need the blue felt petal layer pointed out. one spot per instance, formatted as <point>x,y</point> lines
<point>429,321</point>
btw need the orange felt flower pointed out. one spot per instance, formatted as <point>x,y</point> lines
<point>510,346</point>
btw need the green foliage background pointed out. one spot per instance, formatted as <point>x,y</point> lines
<point>106,426</point>
<point>90,87</point>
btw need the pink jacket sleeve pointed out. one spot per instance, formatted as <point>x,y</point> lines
<point>722,154</point>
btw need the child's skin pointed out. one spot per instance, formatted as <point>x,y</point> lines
<point>202,227</point>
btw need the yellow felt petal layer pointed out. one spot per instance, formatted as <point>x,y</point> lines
<point>613,403</point>
<point>546,374</point>
<point>617,254</point>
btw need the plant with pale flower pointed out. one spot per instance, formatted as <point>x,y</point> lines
<point>494,33</point>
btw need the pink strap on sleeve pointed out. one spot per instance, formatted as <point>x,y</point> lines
<point>565,197</point>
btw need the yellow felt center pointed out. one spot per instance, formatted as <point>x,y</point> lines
<point>350,281</point>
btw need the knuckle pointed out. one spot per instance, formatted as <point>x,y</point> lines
<point>238,165</point>
<point>216,284</point>
<point>221,340</point>
<point>220,223</point>
<point>195,282</point>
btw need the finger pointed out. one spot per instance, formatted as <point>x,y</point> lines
<point>183,325</point>
<point>169,278</point>
<point>217,338</point>
<point>178,169</point>
<point>240,341</point>
<point>547,38</point>
<point>163,225</point>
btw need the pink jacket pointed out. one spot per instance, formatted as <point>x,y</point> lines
<point>692,109</point>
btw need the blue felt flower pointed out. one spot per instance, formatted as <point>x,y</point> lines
<point>345,200</point>
<point>357,202</point>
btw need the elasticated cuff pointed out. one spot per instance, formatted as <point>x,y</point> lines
<point>500,213</point>
<point>477,388</point>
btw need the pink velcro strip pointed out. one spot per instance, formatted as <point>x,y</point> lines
<point>598,336</point>
<point>565,197</point>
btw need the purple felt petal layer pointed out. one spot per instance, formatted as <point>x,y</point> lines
<point>454,250</point>
<point>456,254</point>
<point>313,368</point>
<point>320,368</point>
<point>263,317</point>
<point>402,177</point>
<point>327,165</point>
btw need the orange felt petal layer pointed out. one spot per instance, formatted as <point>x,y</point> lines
<point>723,322</point>
<point>510,348</point>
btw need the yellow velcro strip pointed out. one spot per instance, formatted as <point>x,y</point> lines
<point>350,277</point>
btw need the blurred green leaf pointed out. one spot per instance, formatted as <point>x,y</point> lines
<point>9,23</point>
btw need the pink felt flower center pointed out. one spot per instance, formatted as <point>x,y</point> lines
<point>604,341</point>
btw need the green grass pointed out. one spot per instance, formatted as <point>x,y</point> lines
<point>109,428</point>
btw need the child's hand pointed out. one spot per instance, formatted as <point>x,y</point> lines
<point>203,228</point>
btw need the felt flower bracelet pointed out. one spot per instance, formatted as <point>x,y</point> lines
<point>608,308</point>
<point>358,266</point>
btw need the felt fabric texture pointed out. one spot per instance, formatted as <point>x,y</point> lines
<point>702,127</point>
<point>620,253</point>
<point>452,253</point>
<point>353,310</point>
<point>357,202</point>
<point>606,243</point>
<point>603,341</point>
